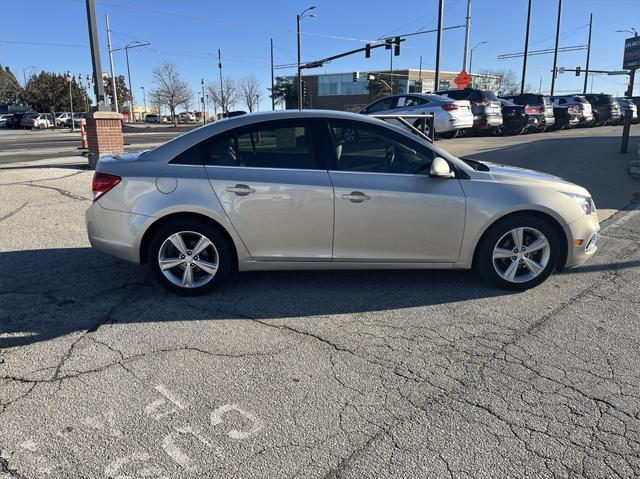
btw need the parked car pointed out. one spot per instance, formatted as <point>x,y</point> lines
<point>486,109</point>
<point>77,118</point>
<point>283,190</point>
<point>16,119</point>
<point>534,99</point>
<point>449,115</point>
<point>186,117</point>
<point>586,113</point>
<point>62,119</point>
<point>5,120</point>
<point>518,118</point>
<point>36,120</point>
<point>152,118</point>
<point>605,109</point>
<point>627,107</point>
<point>566,117</point>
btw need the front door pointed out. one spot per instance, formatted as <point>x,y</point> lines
<point>387,208</point>
<point>275,195</point>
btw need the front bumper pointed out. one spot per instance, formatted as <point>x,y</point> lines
<point>116,233</point>
<point>584,231</point>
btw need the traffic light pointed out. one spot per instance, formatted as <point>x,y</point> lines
<point>367,52</point>
<point>577,71</point>
<point>387,43</point>
<point>304,89</point>
<point>356,76</point>
<point>396,49</point>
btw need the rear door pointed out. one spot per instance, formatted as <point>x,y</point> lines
<point>276,194</point>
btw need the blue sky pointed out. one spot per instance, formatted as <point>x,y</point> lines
<point>189,32</point>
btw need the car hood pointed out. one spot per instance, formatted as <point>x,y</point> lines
<point>514,174</point>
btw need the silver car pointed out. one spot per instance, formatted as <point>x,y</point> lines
<point>286,190</point>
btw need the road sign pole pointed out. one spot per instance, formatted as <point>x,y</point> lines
<point>624,145</point>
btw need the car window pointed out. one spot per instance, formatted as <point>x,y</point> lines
<point>414,101</point>
<point>384,104</point>
<point>457,94</point>
<point>221,151</point>
<point>368,148</point>
<point>487,95</point>
<point>275,146</point>
<point>191,156</point>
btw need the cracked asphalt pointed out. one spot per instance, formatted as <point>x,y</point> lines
<point>306,374</point>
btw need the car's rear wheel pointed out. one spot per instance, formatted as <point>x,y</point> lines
<point>518,253</point>
<point>190,258</point>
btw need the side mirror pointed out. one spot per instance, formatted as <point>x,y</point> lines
<point>440,168</point>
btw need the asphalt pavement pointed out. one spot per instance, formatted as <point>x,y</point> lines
<point>340,374</point>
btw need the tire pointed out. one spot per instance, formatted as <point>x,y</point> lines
<point>448,135</point>
<point>497,270</point>
<point>500,130</point>
<point>219,253</point>
<point>418,124</point>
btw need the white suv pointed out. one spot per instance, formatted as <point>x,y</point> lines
<point>586,113</point>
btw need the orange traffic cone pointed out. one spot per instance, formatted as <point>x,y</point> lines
<point>83,134</point>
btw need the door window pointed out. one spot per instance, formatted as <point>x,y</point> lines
<point>385,104</point>
<point>367,148</point>
<point>271,146</point>
<point>414,101</point>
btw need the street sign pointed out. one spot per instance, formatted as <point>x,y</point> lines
<point>631,59</point>
<point>561,69</point>
<point>618,72</point>
<point>463,79</point>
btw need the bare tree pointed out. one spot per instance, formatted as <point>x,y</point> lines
<point>227,96</point>
<point>171,90</point>
<point>505,82</point>
<point>249,90</point>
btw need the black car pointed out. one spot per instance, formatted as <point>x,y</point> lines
<point>535,99</point>
<point>566,116</point>
<point>485,106</point>
<point>518,118</point>
<point>16,119</point>
<point>605,108</point>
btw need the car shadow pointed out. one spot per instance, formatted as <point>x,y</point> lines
<point>49,293</point>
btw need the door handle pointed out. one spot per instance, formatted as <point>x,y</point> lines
<point>241,190</point>
<point>356,197</point>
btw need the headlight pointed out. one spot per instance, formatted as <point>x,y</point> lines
<point>585,202</point>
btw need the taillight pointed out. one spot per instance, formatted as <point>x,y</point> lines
<point>102,183</point>
<point>480,102</point>
<point>529,110</point>
<point>450,106</point>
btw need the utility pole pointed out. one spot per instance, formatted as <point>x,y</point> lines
<point>526,49</point>
<point>420,72</point>
<point>391,69</point>
<point>438,44</point>
<point>98,87</point>
<point>134,44</point>
<point>586,69</point>
<point>555,51</point>
<point>204,118</point>
<point>144,98</point>
<point>221,87</point>
<point>467,28</point>
<point>273,100</point>
<point>114,99</point>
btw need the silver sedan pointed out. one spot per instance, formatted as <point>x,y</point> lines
<point>329,190</point>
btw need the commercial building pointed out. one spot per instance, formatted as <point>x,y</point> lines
<point>339,91</point>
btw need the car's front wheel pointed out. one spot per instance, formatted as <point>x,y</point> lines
<point>518,253</point>
<point>190,258</point>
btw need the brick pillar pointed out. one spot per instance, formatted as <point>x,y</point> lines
<point>104,135</point>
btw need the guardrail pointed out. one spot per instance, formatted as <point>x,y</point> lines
<point>426,130</point>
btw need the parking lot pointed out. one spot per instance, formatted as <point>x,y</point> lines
<point>317,374</point>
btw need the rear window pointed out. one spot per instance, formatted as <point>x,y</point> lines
<point>486,95</point>
<point>458,94</point>
<point>580,99</point>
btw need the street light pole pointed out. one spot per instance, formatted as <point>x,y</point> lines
<point>526,49</point>
<point>471,56</point>
<point>24,76</point>
<point>555,51</point>
<point>467,26</point>
<point>438,44</point>
<point>298,18</point>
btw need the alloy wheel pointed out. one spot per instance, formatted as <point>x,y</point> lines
<point>188,259</point>
<point>521,255</point>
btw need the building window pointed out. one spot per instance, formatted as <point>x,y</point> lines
<point>342,84</point>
